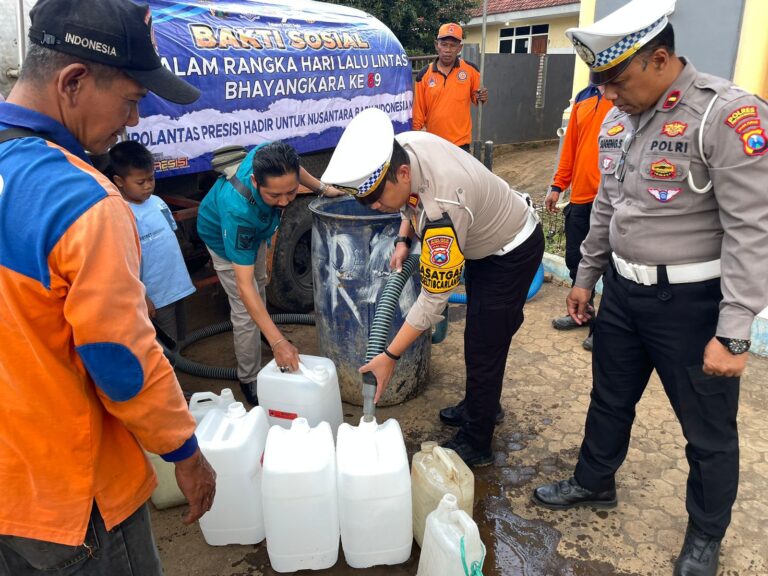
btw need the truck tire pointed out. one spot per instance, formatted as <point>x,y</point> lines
<point>290,286</point>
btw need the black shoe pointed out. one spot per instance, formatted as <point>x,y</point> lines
<point>249,391</point>
<point>699,555</point>
<point>568,323</point>
<point>587,344</point>
<point>569,494</point>
<point>471,456</point>
<point>454,415</point>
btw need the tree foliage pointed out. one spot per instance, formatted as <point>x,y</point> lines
<point>415,22</point>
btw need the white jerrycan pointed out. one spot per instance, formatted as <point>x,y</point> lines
<point>203,402</point>
<point>312,392</point>
<point>452,545</point>
<point>437,471</point>
<point>299,493</point>
<point>233,443</point>
<point>167,494</point>
<point>374,487</point>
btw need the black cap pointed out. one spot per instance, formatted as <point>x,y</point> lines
<point>116,33</point>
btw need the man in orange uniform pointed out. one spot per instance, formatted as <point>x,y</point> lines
<point>84,383</point>
<point>578,169</point>
<point>444,90</point>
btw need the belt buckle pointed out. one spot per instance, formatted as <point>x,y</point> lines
<point>641,273</point>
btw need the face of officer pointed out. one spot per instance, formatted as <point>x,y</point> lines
<point>644,81</point>
<point>447,51</point>
<point>395,194</point>
<point>278,191</point>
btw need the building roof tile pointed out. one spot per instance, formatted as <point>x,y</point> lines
<point>501,6</point>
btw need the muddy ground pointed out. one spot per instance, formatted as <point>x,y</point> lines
<point>546,393</point>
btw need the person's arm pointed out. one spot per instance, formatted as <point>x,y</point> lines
<point>286,354</point>
<point>318,187</point>
<point>115,341</point>
<point>565,166</point>
<point>401,248</point>
<point>739,163</point>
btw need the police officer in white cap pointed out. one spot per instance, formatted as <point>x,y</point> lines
<point>679,230</point>
<point>467,219</point>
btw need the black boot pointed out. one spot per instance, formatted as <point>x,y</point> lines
<point>569,494</point>
<point>472,456</point>
<point>699,555</point>
<point>454,415</point>
<point>249,391</point>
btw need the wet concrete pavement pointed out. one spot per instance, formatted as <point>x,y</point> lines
<point>546,393</point>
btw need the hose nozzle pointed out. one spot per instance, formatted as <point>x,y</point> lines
<point>369,392</point>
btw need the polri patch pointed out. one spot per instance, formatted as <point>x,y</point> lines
<point>740,114</point>
<point>673,129</point>
<point>672,100</point>
<point>613,130</point>
<point>442,260</point>
<point>664,195</point>
<point>663,169</point>
<point>608,164</point>
<point>755,143</point>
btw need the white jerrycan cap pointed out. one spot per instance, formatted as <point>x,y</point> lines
<point>227,397</point>
<point>449,503</point>
<point>236,410</point>
<point>368,427</point>
<point>300,425</point>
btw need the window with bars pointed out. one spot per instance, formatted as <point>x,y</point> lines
<point>524,39</point>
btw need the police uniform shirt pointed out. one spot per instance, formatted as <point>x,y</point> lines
<point>485,213</point>
<point>655,216</point>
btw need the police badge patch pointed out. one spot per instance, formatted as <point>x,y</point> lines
<point>442,260</point>
<point>664,195</point>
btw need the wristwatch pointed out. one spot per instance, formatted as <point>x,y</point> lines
<point>404,239</point>
<point>734,345</point>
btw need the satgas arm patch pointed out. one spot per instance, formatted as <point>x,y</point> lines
<point>442,260</point>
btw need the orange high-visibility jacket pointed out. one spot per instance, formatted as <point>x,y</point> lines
<point>442,103</point>
<point>578,157</point>
<point>84,384</point>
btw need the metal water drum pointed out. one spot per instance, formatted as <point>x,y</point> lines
<point>351,248</point>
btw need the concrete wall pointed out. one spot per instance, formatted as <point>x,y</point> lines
<point>511,115</point>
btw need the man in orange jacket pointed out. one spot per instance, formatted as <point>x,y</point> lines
<point>85,386</point>
<point>578,169</point>
<point>444,90</point>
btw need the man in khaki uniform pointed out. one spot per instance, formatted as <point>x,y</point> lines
<point>467,218</point>
<point>679,230</point>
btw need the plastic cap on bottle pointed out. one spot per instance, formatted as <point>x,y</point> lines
<point>449,502</point>
<point>428,446</point>
<point>236,410</point>
<point>368,425</point>
<point>227,397</point>
<point>300,425</point>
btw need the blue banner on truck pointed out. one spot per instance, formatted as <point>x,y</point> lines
<point>291,70</point>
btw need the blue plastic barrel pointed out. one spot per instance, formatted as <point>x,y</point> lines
<point>351,248</point>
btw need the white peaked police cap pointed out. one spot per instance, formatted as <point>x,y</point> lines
<point>608,45</point>
<point>361,159</point>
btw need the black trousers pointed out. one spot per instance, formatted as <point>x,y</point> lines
<point>576,218</point>
<point>665,327</point>
<point>497,287</point>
